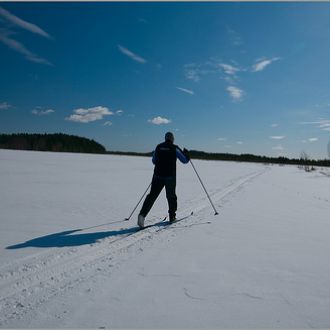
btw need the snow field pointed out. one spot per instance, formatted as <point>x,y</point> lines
<point>262,262</point>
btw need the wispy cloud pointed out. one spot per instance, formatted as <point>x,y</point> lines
<point>132,55</point>
<point>213,66</point>
<point>193,72</point>
<point>10,21</point>
<point>87,115</point>
<point>159,121</point>
<point>20,48</point>
<point>239,142</point>
<point>323,124</point>
<point>226,70</point>
<point>235,38</point>
<point>277,137</point>
<point>263,63</point>
<point>222,139</point>
<point>274,125</point>
<point>188,91</point>
<point>5,106</point>
<point>119,112</point>
<point>229,69</point>
<point>313,139</point>
<point>235,93</point>
<point>107,123</point>
<point>39,112</point>
<point>23,24</point>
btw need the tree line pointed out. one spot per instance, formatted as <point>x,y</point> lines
<point>195,154</point>
<point>60,142</point>
<point>258,159</point>
<point>50,142</point>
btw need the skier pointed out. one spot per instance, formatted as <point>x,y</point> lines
<point>164,158</point>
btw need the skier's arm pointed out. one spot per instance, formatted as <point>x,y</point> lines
<point>184,158</point>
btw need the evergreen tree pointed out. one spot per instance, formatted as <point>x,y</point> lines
<point>50,142</point>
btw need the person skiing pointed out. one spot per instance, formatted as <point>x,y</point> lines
<point>164,158</point>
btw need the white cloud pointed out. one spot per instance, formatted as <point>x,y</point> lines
<point>6,33</point>
<point>23,24</point>
<point>274,125</point>
<point>132,55</point>
<point>159,121</point>
<point>277,137</point>
<point>235,93</point>
<point>107,123</point>
<point>188,91</point>
<point>229,69</point>
<point>222,139</point>
<point>313,139</point>
<point>39,112</point>
<point>82,115</point>
<point>195,71</point>
<point>239,142</point>
<point>323,124</point>
<point>5,106</point>
<point>263,63</point>
<point>213,66</point>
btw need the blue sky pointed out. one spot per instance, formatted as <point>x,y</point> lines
<point>224,77</point>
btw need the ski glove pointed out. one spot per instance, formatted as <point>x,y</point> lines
<point>186,153</point>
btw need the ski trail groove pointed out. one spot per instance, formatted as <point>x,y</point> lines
<point>30,282</point>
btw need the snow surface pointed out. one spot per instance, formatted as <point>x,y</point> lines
<point>67,258</point>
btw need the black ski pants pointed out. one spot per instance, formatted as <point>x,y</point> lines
<point>157,186</point>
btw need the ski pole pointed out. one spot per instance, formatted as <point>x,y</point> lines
<point>126,219</point>
<point>200,180</point>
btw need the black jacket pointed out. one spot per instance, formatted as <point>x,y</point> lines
<point>164,158</point>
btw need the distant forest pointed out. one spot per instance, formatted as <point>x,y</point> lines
<point>195,154</point>
<point>70,143</point>
<point>259,159</point>
<point>50,142</point>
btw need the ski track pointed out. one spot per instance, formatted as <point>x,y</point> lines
<point>31,281</point>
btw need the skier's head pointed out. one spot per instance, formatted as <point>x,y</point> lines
<point>169,137</point>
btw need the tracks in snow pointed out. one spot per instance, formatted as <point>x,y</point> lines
<point>32,281</point>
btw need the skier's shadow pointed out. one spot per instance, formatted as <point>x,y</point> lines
<point>65,238</point>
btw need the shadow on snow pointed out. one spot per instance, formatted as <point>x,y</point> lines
<point>65,238</point>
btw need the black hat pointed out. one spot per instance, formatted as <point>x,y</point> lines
<point>169,136</point>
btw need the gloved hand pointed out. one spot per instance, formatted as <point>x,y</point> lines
<point>186,153</point>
